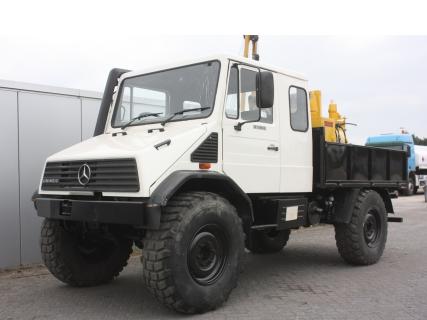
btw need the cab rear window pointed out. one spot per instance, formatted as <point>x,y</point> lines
<point>298,109</point>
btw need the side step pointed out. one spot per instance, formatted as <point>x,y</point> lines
<point>394,219</point>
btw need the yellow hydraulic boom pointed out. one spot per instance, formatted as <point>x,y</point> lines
<point>335,130</point>
<point>248,40</point>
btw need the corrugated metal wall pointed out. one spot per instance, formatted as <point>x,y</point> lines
<point>36,122</point>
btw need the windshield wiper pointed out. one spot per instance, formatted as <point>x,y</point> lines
<point>182,112</point>
<point>141,115</point>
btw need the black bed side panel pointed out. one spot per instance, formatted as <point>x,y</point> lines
<point>347,165</point>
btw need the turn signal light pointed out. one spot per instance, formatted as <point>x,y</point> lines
<point>204,166</point>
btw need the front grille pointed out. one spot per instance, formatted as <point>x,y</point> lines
<point>114,175</point>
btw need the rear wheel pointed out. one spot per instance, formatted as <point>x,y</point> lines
<point>192,262</point>
<point>267,241</point>
<point>80,256</point>
<point>411,188</point>
<point>362,240</point>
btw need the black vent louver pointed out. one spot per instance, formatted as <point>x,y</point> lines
<point>207,152</point>
<point>113,175</point>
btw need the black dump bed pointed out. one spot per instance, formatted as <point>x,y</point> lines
<point>352,166</point>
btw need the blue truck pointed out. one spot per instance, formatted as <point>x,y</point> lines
<point>417,157</point>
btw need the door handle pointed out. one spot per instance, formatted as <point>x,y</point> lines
<point>272,147</point>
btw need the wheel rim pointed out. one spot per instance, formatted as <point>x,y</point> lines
<point>95,248</point>
<point>372,228</point>
<point>207,254</point>
<point>272,234</point>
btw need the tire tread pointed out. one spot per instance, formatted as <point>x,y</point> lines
<point>155,259</point>
<point>348,238</point>
<point>53,257</point>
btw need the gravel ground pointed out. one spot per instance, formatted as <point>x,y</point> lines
<point>307,280</point>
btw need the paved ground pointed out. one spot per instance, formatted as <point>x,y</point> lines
<point>308,280</point>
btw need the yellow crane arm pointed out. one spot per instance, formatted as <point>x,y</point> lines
<point>248,40</point>
<point>334,125</point>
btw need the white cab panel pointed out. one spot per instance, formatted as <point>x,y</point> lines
<point>251,157</point>
<point>296,146</point>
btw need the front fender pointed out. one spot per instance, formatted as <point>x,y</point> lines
<point>209,181</point>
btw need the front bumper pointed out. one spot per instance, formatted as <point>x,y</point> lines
<point>137,213</point>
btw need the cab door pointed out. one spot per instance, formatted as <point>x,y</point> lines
<point>251,155</point>
<point>296,144</point>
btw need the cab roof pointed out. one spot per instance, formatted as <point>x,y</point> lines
<point>220,57</point>
<point>390,139</point>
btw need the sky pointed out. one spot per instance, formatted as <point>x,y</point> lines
<point>378,82</point>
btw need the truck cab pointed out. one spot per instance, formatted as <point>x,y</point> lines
<point>195,161</point>
<point>275,149</point>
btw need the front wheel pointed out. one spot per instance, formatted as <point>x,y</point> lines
<point>362,240</point>
<point>192,262</point>
<point>82,257</point>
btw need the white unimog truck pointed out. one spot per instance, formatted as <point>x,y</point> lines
<point>193,162</point>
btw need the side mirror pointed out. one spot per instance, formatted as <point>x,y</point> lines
<point>408,151</point>
<point>265,89</point>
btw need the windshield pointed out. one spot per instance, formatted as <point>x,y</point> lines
<point>167,92</point>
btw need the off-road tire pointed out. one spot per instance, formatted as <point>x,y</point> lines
<point>355,240</point>
<point>167,256</point>
<point>62,254</point>
<point>267,241</point>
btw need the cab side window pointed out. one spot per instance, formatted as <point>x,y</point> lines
<point>298,109</point>
<point>248,98</point>
<point>242,103</point>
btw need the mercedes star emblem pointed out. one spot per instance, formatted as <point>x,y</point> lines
<point>83,174</point>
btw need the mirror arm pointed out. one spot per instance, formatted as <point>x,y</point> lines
<point>238,126</point>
